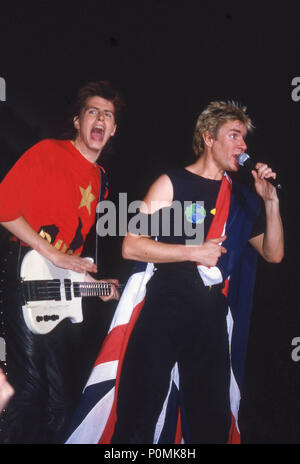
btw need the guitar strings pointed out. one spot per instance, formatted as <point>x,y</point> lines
<point>53,289</point>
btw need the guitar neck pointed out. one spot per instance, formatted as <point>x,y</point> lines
<point>85,289</point>
<point>49,293</point>
<point>42,290</point>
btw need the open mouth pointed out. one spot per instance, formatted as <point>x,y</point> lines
<point>235,157</point>
<point>97,134</point>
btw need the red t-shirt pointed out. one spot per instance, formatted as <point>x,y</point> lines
<point>56,190</point>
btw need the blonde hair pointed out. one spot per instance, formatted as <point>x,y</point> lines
<point>214,116</point>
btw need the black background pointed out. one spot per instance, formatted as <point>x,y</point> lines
<point>170,60</point>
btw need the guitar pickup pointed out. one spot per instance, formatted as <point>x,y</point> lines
<point>68,284</point>
<point>47,318</point>
<point>41,290</point>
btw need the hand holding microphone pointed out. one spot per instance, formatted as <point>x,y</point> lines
<point>245,161</point>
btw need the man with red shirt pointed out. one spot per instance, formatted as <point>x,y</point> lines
<point>48,201</point>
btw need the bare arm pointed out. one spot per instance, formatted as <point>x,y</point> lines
<point>270,245</point>
<point>143,248</point>
<point>22,230</point>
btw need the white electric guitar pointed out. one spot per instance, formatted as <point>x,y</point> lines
<point>51,294</point>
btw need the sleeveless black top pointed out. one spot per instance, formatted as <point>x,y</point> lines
<point>192,211</point>
<point>194,201</point>
<point>188,220</point>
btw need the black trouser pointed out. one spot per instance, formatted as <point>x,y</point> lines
<point>184,322</point>
<point>43,369</point>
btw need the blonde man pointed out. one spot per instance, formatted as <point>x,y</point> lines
<point>184,320</point>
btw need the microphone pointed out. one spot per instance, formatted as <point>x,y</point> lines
<point>245,161</point>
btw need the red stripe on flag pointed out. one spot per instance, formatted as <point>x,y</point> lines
<point>110,425</point>
<point>112,345</point>
<point>178,435</point>
<point>234,437</point>
<point>226,287</point>
<point>222,210</point>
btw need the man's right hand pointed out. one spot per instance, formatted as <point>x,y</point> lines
<point>20,228</point>
<point>72,262</point>
<point>209,252</point>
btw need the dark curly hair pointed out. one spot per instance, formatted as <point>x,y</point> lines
<point>102,89</point>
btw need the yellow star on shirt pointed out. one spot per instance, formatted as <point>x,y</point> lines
<point>87,197</point>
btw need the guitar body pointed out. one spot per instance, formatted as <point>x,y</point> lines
<point>41,316</point>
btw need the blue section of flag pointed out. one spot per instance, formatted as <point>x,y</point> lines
<point>240,264</point>
<point>169,429</point>
<point>90,397</point>
<point>240,300</point>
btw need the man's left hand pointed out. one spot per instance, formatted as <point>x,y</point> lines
<point>114,292</point>
<point>264,188</point>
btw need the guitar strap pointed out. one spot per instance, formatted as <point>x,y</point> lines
<point>103,193</point>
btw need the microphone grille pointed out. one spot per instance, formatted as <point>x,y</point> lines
<point>242,158</point>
